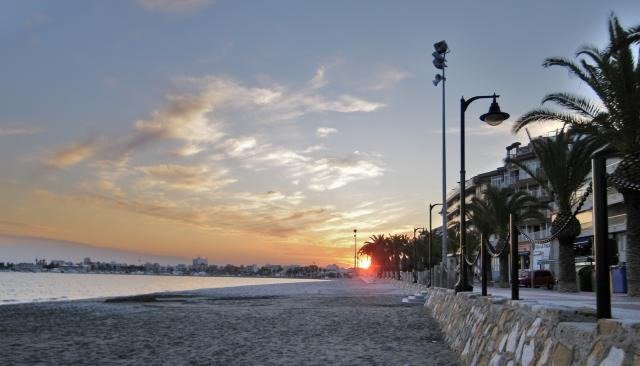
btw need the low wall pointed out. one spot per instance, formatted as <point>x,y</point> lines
<point>440,278</point>
<point>498,331</point>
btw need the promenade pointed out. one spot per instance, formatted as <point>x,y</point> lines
<point>623,307</point>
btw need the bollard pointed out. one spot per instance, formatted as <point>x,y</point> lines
<point>483,264</point>
<point>601,231</point>
<point>513,238</point>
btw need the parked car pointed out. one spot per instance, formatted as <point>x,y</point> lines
<point>536,278</point>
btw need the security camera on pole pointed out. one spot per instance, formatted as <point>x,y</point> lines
<point>440,63</point>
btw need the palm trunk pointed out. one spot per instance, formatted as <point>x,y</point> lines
<point>487,260</point>
<point>504,269</point>
<point>632,205</point>
<point>396,266</point>
<point>567,263</point>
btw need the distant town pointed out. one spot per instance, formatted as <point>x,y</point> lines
<point>198,267</point>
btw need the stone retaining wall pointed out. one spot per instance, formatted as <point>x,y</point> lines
<point>498,331</point>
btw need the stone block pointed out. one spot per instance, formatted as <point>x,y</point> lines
<point>614,358</point>
<point>528,354</point>
<point>546,352</point>
<point>520,345</point>
<point>596,354</point>
<point>562,356</point>
<point>533,329</point>
<point>503,342</point>
<point>608,326</point>
<point>497,360</point>
<point>505,318</point>
<point>512,341</point>
<point>573,333</point>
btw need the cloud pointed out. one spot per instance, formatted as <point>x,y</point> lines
<point>239,146</point>
<point>268,200</point>
<point>319,79</point>
<point>190,117</point>
<point>185,117</point>
<point>194,178</point>
<point>332,173</point>
<point>12,131</point>
<point>275,102</point>
<point>321,173</point>
<point>71,155</point>
<point>388,78</point>
<point>323,132</point>
<point>174,6</point>
<point>346,104</point>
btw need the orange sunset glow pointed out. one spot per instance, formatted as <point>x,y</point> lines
<point>364,262</point>
<point>185,132</point>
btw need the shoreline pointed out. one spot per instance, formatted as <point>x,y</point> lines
<point>329,322</point>
<point>53,288</point>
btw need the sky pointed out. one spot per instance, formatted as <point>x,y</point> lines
<point>255,131</point>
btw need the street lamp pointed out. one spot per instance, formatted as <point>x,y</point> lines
<point>415,254</point>
<point>355,253</point>
<point>431,206</point>
<point>440,62</point>
<point>494,117</point>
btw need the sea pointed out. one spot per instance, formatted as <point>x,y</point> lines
<point>26,287</point>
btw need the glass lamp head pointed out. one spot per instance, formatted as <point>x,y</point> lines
<point>495,116</point>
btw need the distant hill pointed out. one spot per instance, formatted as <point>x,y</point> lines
<point>27,249</point>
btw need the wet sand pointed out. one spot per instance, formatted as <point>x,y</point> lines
<point>343,322</point>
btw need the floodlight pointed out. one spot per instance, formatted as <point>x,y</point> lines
<point>437,79</point>
<point>441,47</point>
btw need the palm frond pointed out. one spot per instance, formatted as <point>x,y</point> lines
<point>576,103</point>
<point>542,115</point>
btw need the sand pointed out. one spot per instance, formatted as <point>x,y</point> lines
<point>342,322</point>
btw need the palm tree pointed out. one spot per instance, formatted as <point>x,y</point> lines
<point>498,204</point>
<point>397,245</point>
<point>481,216</point>
<point>613,74</point>
<point>376,249</point>
<point>472,242</point>
<point>566,162</point>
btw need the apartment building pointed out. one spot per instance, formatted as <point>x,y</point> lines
<point>542,255</point>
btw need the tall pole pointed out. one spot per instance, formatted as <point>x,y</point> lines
<point>600,230</point>
<point>463,282</point>
<point>493,117</point>
<point>431,206</point>
<point>444,172</point>
<point>355,252</point>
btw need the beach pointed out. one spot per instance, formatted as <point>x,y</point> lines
<point>342,322</point>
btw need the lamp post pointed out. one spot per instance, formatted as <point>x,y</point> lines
<point>431,206</point>
<point>494,117</point>
<point>355,253</point>
<point>440,63</point>
<point>415,254</point>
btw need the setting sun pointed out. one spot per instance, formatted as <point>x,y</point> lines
<point>364,262</point>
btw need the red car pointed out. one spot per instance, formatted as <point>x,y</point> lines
<point>536,278</point>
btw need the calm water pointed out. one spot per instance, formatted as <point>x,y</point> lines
<point>18,287</point>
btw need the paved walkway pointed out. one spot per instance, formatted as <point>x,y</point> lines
<point>623,307</point>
